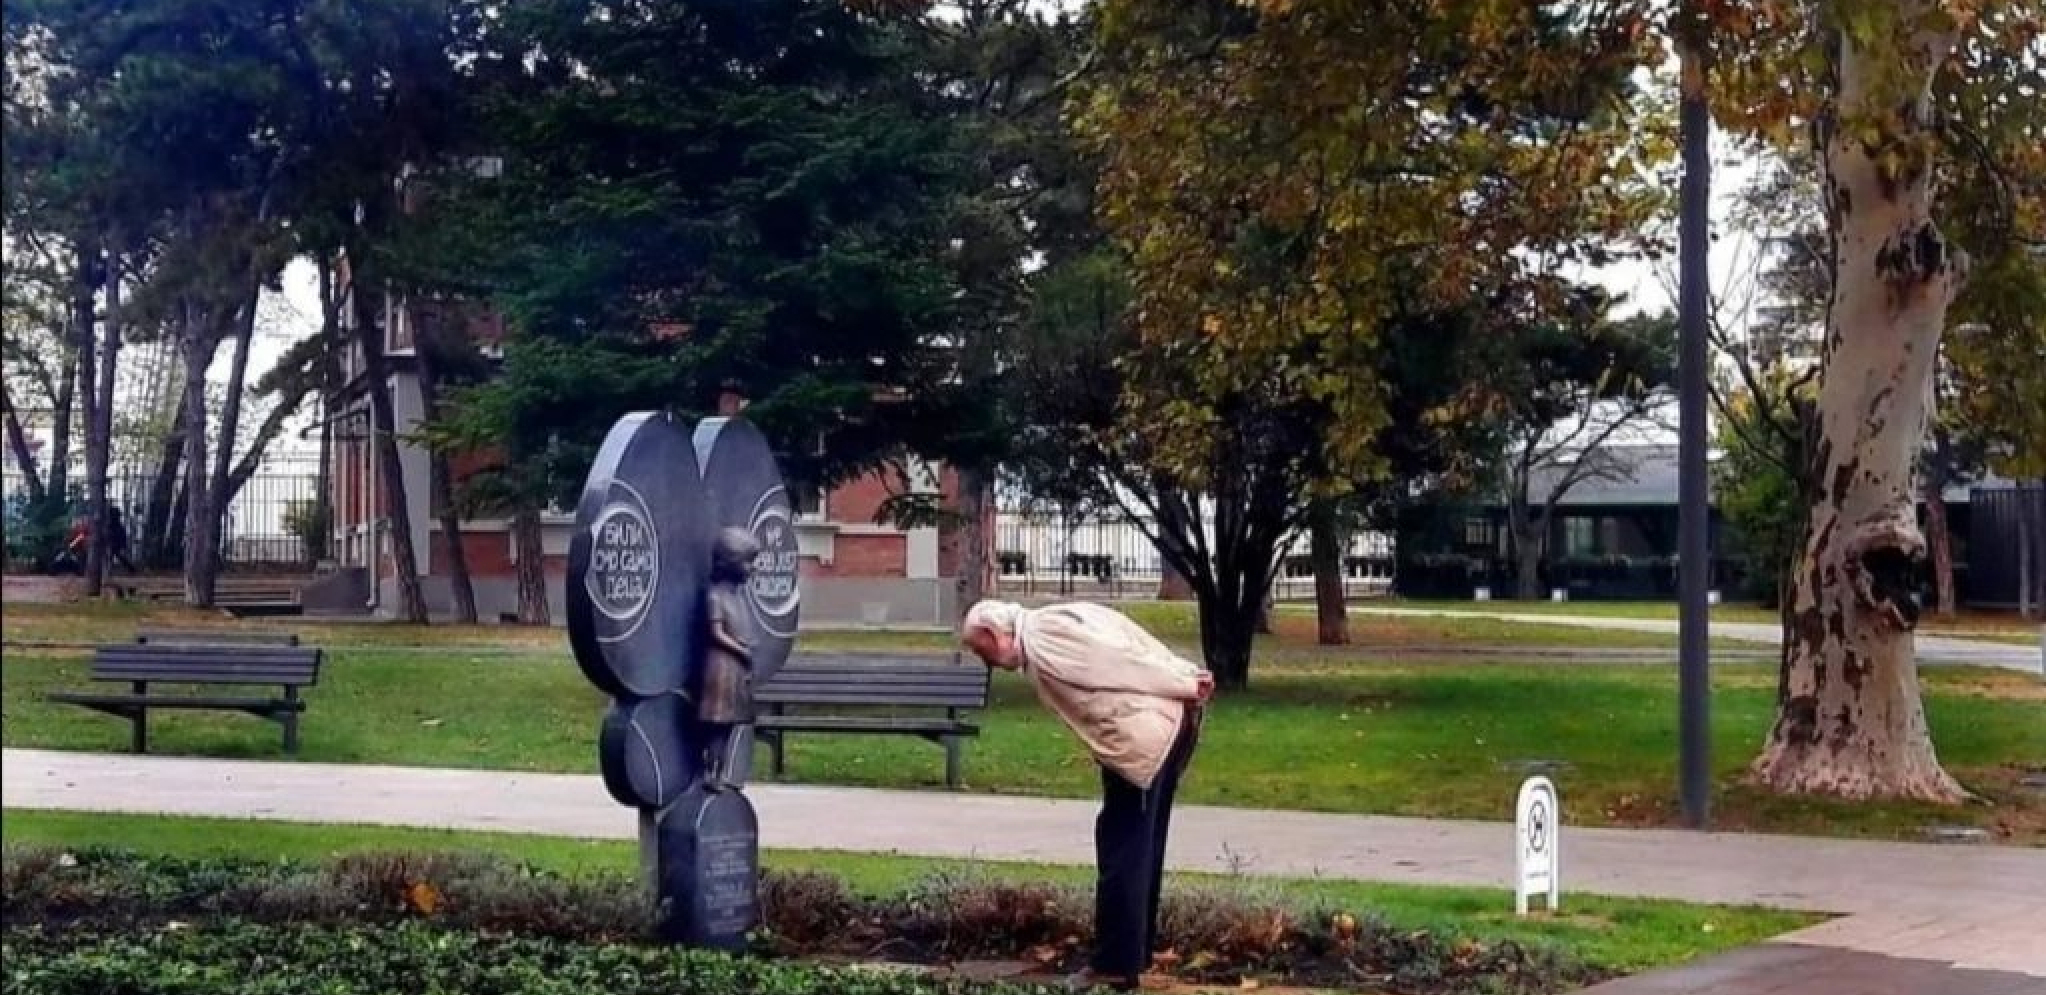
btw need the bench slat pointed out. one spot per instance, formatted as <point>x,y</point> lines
<point>801,688</point>
<point>892,680</point>
<point>850,701</point>
<point>175,701</point>
<point>848,723</point>
<point>977,675</point>
<point>252,678</point>
<point>878,682</point>
<point>221,661</point>
<point>204,651</point>
<point>207,664</point>
<point>214,637</point>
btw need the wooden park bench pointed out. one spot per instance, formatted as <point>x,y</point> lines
<point>873,696</point>
<point>202,658</point>
<point>215,637</point>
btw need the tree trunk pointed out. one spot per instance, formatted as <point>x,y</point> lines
<point>460,588</point>
<point>376,380</point>
<point>60,427</point>
<point>1853,724</point>
<point>975,567</point>
<point>24,458</point>
<point>219,492</point>
<point>1939,540</point>
<point>532,567</point>
<point>330,337</point>
<point>84,305</point>
<point>158,524</point>
<point>99,439</point>
<point>1228,628</point>
<point>1325,548</point>
<point>1529,538</point>
<point>202,546</point>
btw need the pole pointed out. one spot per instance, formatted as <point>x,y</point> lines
<point>1694,555</point>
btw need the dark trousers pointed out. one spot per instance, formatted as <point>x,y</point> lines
<point>1129,848</point>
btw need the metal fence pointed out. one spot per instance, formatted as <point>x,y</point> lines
<point>1044,553</point>
<point>255,530</point>
<point>2007,547</point>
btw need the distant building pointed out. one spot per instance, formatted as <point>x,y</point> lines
<point>1616,539</point>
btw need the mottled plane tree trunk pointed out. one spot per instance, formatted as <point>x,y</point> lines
<point>1851,723</point>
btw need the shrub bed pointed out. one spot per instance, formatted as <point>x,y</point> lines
<point>105,921</point>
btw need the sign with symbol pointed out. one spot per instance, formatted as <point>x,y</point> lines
<point>1537,834</point>
<point>745,490</point>
<point>637,559</point>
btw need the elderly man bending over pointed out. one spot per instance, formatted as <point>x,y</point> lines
<point>1137,707</point>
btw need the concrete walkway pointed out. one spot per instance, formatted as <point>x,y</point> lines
<point>1931,649</point>
<point>1978,907</point>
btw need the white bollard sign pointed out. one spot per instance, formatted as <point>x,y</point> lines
<point>1537,832</point>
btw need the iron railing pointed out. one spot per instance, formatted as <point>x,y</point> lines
<point>255,529</point>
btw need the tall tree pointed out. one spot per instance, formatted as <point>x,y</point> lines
<point>99,439</point>
<point>999,71</point>
<point>1903,96</point>
<point>1277,173</point>
<point>760,205</point>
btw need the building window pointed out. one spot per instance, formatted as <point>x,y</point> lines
<point>1477,532</point>
<point>1580,536</point>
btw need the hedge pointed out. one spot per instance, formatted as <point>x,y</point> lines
<point>88,921</point>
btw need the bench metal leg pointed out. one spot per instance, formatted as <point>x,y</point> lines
<point>290,721</point>
<point>138,720</point>
<point>952,762</point>
<point>777,757</point>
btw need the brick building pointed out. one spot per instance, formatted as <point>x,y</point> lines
<point>855,569</point>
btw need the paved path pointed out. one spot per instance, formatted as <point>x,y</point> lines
<point>1804,969</point>
<point>1931,649</point>
<point>1978,906</point>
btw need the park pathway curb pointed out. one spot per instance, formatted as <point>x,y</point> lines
<point>1975,906</point>
<point>1940,650</point>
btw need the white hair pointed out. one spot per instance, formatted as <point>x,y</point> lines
<point>995,616</point>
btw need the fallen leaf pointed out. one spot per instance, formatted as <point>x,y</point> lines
<point>1344,925</point>
<point>424,898</point>
<point>431,723</point>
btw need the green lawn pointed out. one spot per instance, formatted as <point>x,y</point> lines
<point>1627,934</point>
<point>89,624</point>
<point>2007,627</point>
<point>1323,733</point>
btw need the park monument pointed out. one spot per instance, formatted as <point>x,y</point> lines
<point>682,597</point>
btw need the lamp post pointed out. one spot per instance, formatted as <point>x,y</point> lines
<point>1694,555</point>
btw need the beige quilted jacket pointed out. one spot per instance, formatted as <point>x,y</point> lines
<point>1119,689</point>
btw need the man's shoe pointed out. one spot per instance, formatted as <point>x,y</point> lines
<point>1091,980</point>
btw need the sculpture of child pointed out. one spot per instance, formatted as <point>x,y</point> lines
<point>724,699</point>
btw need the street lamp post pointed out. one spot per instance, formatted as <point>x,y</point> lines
<point>1694,555</point>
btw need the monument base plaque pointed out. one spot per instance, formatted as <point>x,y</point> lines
<point>709,847</point>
